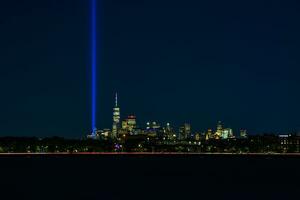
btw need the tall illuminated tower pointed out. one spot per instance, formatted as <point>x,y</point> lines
<point>219,128</point>
<point>116,118</point>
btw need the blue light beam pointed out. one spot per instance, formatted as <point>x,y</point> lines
<point>94,64</point>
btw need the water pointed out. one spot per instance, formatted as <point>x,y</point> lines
<point>149,177</point>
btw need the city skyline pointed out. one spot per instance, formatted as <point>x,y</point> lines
<point>137,128</point>
<point>231,61</point>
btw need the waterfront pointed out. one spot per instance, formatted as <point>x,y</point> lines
<point>145,176</point>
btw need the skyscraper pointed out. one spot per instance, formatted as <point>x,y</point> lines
<point>185,131</point>
<point>131,123</point>
<point>243,133</point>
<point>227,133</point>
<point>116,118</point>
<point>209,134</point>
<point>218,133</point>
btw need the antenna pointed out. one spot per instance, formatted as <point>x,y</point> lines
<point>116,100</point>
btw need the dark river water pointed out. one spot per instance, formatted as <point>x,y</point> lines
<point>105,177</point>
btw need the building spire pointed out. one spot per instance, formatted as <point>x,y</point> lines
<point>116,100</point>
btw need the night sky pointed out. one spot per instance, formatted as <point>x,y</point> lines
<point>169,60</point>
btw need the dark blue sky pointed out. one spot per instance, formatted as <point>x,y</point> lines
<point>171,61</point>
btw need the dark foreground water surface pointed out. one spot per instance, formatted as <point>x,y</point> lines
<point>100,177</point>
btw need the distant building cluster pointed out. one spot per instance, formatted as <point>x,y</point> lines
<point>152,129</point>
<point>126,135</point>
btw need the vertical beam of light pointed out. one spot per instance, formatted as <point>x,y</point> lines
<point>94,69</point>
